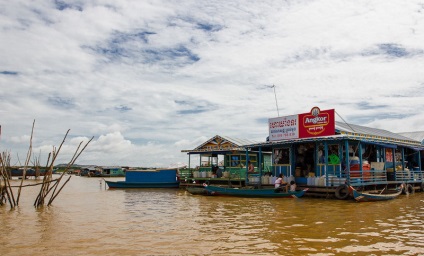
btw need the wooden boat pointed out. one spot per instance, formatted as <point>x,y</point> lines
<point>157,178</point>
<point>369,197</point>
<point>196,190</point>
<point>253,192</point>
<point>124,184</point>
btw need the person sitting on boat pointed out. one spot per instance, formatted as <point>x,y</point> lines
<point>280,183</point>
<point>251,168</point>
<point>292,186</point>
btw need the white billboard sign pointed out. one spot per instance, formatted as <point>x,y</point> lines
<point>283,128</point>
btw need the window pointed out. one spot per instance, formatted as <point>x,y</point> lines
<point>281,156</point>
<point>238,160</point>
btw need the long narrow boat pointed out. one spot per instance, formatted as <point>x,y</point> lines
<point>124,184</point>
<point>252,192</point>
<point>160,178</point>
<point>370,197</point>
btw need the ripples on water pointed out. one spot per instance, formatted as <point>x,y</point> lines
<point>87,219</point>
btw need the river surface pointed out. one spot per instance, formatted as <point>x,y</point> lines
<point>87,218</point>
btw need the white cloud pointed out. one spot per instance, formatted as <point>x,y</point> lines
<point>21,139</point>
<point>150,79</point>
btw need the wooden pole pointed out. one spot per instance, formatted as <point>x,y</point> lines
<point>55,195</point>
<point>76,155</point>
<point>26,162</point>
<point>5,162</point>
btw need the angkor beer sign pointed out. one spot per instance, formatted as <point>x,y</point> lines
<point>317,123</point>
<point>313,124</point>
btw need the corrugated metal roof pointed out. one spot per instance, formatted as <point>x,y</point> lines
<point>419,135</point>
<point>355,132</point>
<point>239,143</point>
<point>358,129</point>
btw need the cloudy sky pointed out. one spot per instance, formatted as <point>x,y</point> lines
<point>148,79</point>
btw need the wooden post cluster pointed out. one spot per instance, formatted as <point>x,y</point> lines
<point>6,193</point>
<point>48,186</point>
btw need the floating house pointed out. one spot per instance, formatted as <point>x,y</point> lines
<point>328,156</point>
<point>103,171</point>
<point>27,172</point>
<point>224,159</point>
<point>91,171</point>
<point>113,171</point>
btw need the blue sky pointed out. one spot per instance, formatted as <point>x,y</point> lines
<point>150,78</point>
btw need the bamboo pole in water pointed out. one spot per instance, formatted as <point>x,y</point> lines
<point>44,190</point>
<point>5,163</point>
<point>6,192</point>
<point>45,185</point>
<point>26,163</point>
<point>34,184</point>
<point>55,195</point>
<point>6,189</point>
<point>74,158</point>
<point>3,187</point>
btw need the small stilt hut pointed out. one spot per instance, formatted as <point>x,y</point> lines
<point>224,159</point>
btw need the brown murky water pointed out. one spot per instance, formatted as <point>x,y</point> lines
<point>87,219</point>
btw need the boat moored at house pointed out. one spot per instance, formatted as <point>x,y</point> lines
<point>373,196</point>
<point>253,192</point>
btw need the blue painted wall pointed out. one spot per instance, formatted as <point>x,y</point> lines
<point>151,176</point>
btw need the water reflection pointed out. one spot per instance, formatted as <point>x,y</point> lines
<point>87,219</point>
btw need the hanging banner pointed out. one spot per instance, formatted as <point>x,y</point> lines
<point>317,123</point>
<point>282,128</point>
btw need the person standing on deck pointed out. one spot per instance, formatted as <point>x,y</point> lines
<point>251,168</point>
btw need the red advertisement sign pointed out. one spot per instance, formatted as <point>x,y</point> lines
<point>317,123</point>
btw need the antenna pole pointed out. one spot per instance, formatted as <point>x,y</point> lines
<point>345,121</point>
<point>276,104</point>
